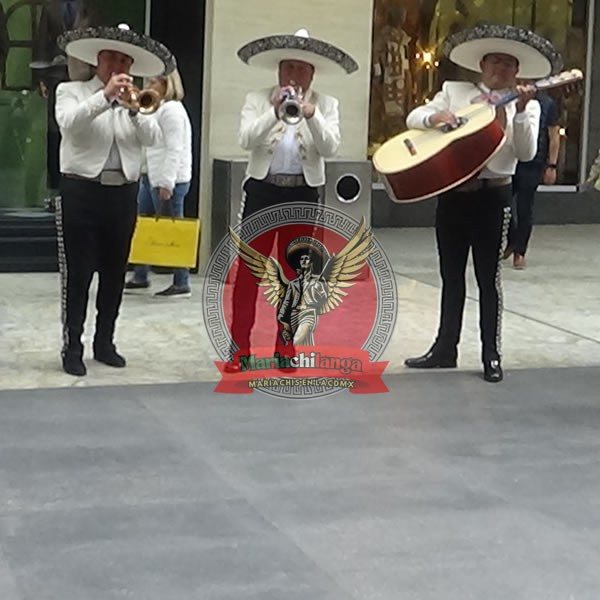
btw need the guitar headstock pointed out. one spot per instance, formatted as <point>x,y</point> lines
<point>565,78</point>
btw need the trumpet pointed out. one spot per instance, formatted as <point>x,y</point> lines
<point>290,110</point>
<point>146,101</point>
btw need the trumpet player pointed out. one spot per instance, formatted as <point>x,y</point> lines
<point>100,158</point>
<point>288,130</point>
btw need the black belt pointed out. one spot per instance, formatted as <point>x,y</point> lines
<point>473,185</point>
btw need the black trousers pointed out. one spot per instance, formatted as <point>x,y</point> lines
<point>95,225</point>
<point>525,183</point>
<point>478,221</point>
<point>259,195</point>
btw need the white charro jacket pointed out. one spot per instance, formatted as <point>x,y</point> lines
<point>89,125</point>
<point>261,131</point>
<point>521,128</point>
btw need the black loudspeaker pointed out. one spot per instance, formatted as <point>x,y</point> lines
<point>348,187</point>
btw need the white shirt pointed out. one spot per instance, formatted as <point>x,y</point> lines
<point>521,128</point>
<point>286,156</point>
<point>113,162</point>
<point>90,126</point>
<point>170,160</point>
<point>318,137</point>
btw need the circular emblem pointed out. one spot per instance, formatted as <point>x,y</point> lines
<point>299,301</point>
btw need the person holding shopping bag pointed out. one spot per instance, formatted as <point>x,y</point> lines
<point>166,176</point>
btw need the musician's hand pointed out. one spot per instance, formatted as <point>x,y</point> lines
<point>549,176</point>
<point>444,117</point>
<point>308,110</point>
<point>526,93</point>
<point>165,194</point>
<point>278,95</point>
<point>116,85</point>
<point>276,98</point>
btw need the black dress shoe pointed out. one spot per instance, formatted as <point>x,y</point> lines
<point>109,356</point>
<point>431,360</point>
<point>492,371</point>
<point>73,365</point>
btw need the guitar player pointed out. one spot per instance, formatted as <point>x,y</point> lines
<point>476,214</point>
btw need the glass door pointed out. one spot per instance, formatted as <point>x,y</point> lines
<point>31,66</point>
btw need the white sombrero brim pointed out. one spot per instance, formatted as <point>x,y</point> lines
<point>150,58</point>
<point>268,52</point>
<point>270,59</point>
<point>536,55</point>
<point>145,64</point>
<point>532,64</point>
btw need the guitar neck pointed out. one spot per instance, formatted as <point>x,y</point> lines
<point>506,99</point>
<point>564,78</point>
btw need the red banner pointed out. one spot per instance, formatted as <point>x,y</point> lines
<point>308,366</point>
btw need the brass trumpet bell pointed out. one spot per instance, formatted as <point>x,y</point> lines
<point>144,101</point>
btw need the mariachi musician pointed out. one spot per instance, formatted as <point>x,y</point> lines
<point>100,160</point>
<point>287,153</point>
<point>476,214</point>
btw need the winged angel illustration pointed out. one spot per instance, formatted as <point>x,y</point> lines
<point>320,285</point>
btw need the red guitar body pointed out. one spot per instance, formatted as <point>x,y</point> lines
<point>447,169</point>
<point>421,163</point>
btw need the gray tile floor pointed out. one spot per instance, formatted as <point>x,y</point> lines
<point>446,488</point>
<point>550,319</point>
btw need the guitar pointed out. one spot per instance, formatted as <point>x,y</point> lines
<point>421,163</point>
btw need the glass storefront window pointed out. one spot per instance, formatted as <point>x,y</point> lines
<point>407,68</point>
<point>31,66</point>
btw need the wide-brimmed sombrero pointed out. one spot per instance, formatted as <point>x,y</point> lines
<point>306,245</point>
<point>150,58</point>
<point>268,52</point>
<point>59,62</point>
<point>536,55</point>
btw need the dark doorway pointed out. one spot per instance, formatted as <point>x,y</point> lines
<point>180,26</point>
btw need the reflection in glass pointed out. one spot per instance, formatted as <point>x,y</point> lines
<point>31,66</point>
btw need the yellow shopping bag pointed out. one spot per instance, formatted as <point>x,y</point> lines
<point>165,242</point>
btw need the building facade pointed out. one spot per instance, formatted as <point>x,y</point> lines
<point>395,42</point>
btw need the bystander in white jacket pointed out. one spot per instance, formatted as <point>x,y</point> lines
<point>170,160</point>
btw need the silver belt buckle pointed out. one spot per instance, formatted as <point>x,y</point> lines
<point>112,178</point>
<point>285,180</point>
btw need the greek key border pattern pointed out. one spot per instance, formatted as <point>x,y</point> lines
<point>290,214</point>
